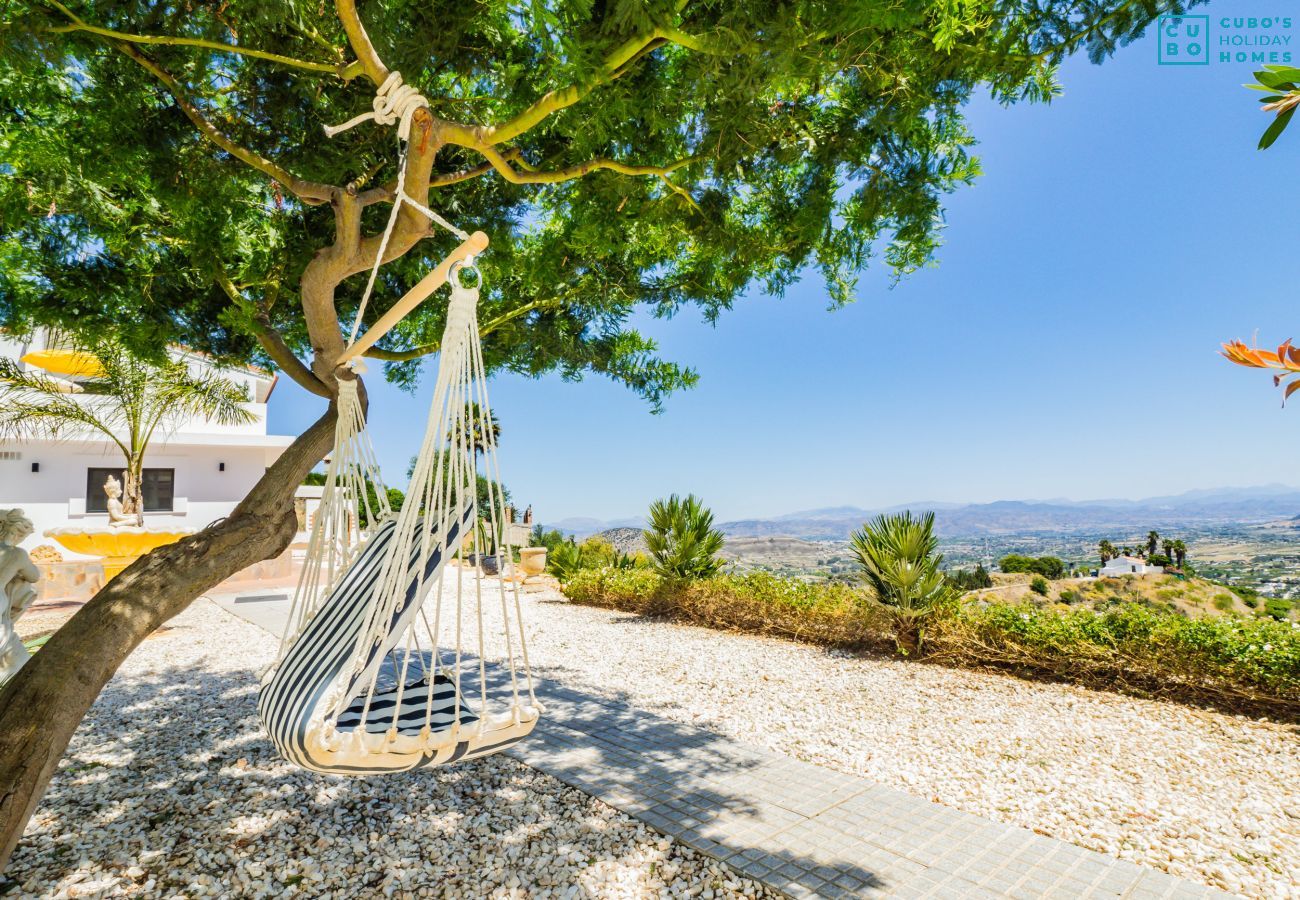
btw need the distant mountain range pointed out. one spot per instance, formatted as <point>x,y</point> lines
<point>1217,505</point>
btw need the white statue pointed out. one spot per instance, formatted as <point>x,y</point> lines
<point>18,577</point>
<point>116,517</point>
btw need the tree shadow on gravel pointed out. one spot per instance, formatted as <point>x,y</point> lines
<point>171,785</point>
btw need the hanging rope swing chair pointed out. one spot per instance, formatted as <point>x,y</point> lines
<point>387,662</point>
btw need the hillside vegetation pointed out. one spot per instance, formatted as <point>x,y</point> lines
<point>1192,597</point>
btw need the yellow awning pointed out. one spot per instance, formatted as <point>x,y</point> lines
<point>65,362</point>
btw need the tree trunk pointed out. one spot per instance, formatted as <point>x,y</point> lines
<point>43,705</point>
<point>133,489</point>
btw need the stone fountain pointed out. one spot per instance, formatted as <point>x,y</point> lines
<point>120,542</point>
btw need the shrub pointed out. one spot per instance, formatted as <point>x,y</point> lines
<point>964,580</point>
<point>564,560</point>
<point>633,590</point>
<point>1277,608</point>
<point>682,540</point>
<point>1158,559</point>
<point>1224,602</point>
<point>1239,664</point>
<point>1226,659</point>
<point>1047,566</point>
<point>544,537</point>
<point>900,564</point>
<point>758,602</point>
<point>1039,585</point>
<point>1069,596</point>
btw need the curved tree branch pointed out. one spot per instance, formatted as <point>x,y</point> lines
<point>346,71</point>
<point>367,56</point>
<point>308,191</point>
<point>614,66</point>
<point>488,327</point>
<point>273,343</point>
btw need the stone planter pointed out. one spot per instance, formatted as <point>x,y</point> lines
<point>532,560</point>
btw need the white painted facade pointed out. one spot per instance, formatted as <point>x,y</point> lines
<point>1129,565</point>
<point>214,465</point>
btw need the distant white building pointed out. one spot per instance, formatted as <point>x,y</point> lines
<point>195,471</point>
<point>1129,565</point>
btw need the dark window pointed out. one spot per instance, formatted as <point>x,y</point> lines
<point>158,489</point>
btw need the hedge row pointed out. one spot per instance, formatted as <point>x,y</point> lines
<point>1238,664</point>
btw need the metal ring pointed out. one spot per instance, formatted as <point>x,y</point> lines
<point>458,268</point>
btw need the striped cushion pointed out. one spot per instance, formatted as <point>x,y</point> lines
<point>292,699</point>
<point>415,706</point>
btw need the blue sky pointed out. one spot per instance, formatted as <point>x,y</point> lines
<point>1064,346</point>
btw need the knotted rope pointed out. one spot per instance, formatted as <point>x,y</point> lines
<point>394,102</point>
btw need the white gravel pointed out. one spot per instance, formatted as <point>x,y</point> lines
<point>203,806</point>
<point>1208,797</point>
<point>169,789</point>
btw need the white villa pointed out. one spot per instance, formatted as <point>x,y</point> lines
<point>1129,565</point>
<point>195,471</point>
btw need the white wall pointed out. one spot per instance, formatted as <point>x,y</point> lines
<point>56,495</point>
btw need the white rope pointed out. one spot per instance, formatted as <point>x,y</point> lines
<point>394,103</point>
<point>336,535</point>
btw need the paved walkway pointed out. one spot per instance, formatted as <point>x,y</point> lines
<point>803,829</point>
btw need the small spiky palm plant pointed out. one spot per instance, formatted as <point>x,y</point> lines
<point>901,567</point>
<point>682,540</point>
<point>128,400</point>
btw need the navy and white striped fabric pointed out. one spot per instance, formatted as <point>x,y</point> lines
<point>292,697</point>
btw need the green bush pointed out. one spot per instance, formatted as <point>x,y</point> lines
<point>564,559</point>
<point>1222,657</point>
<point>631,589</point>
<point>759,602</point>
<point>1237,663</point>
<point>1069,596</point>
<point>902,569</point>
<point>1277,608</point>
<point>682,540</point>
<point>970,580</point>
<point>1224,602</point>
<point>1039,585</point>
<point>1046,566</point>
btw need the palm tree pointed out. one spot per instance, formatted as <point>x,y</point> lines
<point>126,399</point>
<point>482,430</point>
<point>1180,552</point>
<point>901,566</point>
<point>1107,551</point>
<point>1168,545</point>
<point>682,540</point>
<point>1153,541</point>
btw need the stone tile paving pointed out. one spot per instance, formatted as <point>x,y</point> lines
<point>806,830</point>
<point>800,828</point>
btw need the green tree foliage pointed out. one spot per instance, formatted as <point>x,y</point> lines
<point>126,401</point>
<point>1279,83</point>
<point>486,490</point>
<point>167,178</point>
<point>682,540</point>
<point>901,566</point>
<point>550,538</point>
<point>971,580</point>
<point>1106,550</point>
<point>1039,585</point>
<point>1047,566</point>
